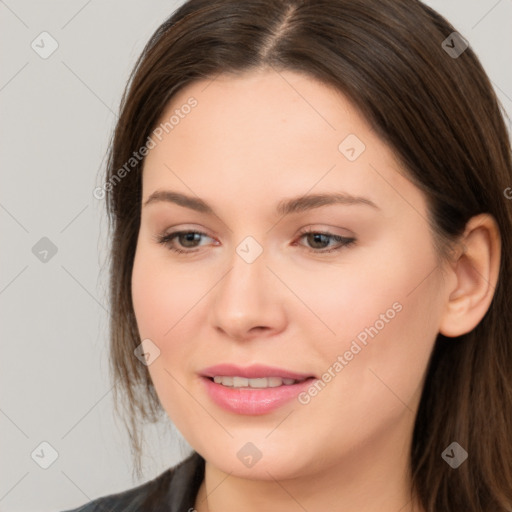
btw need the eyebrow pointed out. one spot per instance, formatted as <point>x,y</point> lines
<point>284,207</point>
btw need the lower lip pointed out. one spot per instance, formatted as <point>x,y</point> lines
<point>253,401</point>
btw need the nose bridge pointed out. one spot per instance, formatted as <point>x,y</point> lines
<point>244,284</point>
<point>244,298</point>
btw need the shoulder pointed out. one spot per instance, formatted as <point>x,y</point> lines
<point>173,490</point>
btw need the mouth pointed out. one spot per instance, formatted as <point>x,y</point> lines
<point>255,372</point>
<point>254,383</point>
<point>253,390</point>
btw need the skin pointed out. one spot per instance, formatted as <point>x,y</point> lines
<point>252,141</point>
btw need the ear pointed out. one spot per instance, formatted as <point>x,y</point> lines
<point>475,274</point>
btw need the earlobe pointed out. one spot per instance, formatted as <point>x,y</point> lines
<point>476,273</point>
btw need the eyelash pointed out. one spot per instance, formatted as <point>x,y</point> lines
<point>344,241</point>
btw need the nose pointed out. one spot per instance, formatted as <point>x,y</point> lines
<point>248,301</point>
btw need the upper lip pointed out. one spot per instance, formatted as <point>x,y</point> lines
<point>251,372</point>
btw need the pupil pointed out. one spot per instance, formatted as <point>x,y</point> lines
<point>317,237</point>
<point>189,237</point>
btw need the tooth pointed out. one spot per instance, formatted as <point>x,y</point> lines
<point>258,383</point>
<point>239,382</point>
<point>227,381</point>
<point>274,382</point>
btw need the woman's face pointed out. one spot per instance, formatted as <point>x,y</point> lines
<point>253,288</point>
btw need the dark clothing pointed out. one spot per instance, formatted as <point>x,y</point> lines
<point>174,490</point>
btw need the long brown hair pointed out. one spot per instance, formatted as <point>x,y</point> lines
<point>440,115</point>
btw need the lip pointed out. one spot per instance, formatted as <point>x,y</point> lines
<point>252,372</point>
<point>255,401</point>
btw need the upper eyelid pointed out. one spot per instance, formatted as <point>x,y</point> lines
<point>309,228</point>
<point>301,232</point>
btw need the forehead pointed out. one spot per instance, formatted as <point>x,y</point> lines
<point>266,104</point>
<point>268,131</point>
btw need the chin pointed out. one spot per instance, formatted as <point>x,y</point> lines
<point>259,460</point>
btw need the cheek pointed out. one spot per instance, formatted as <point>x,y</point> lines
<point>384,286</point>
<point>386,325</point>
<point>162,294</point>
<point>163,300</point>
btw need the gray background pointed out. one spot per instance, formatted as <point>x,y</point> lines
<point>57,115</point>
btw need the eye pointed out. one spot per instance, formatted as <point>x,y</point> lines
<point>188,240</point>
<point>323,237</point>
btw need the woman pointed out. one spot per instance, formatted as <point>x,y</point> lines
<point>310,261</point>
